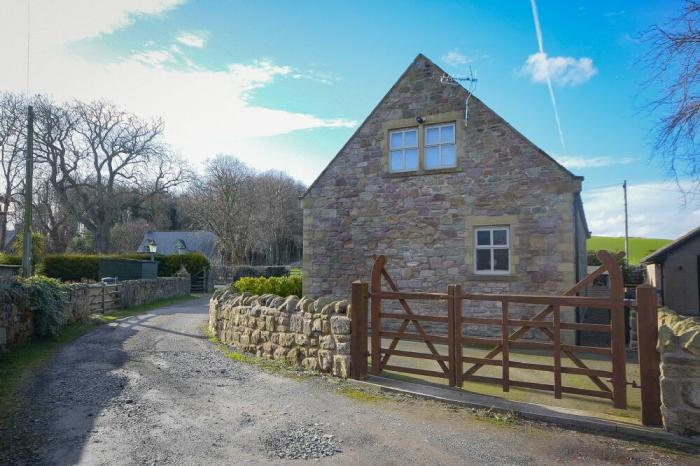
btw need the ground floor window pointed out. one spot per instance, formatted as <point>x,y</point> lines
<point>492,250</point>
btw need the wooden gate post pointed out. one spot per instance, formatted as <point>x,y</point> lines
<point>649,370</point>
<point>358,330</point>
<point>452,363</point>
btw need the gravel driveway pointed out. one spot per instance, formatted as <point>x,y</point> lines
<point>152,389</point>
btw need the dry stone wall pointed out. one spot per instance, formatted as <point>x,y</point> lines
<point>136,292</point>
<point>16,324</point>
<point>314,334</point>
<point>679,345</point>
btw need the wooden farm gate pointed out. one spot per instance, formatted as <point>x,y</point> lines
<point>103,298</point>
<point>458,368</point>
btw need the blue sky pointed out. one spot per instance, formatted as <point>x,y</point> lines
<point>284,84</point>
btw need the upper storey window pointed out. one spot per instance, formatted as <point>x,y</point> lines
<point>403,150</point>
<point>440,146</point>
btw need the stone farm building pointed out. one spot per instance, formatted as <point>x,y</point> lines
<point>446,199</point>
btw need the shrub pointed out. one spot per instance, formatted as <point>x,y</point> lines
<point>72,267</point>
<point>38,248</point>
<point>194,262</point>
<point>281,286</point>
<point>6,259</point>
<point>47,299</point>
<point>245,271</point>
<point>275,271</point>
<point>78,267</point>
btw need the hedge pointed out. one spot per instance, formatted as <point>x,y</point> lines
<point>281,286</point>
<point>79,267</point>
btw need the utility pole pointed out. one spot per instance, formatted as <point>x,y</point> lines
<point>28,188</point>
<point>627,235</point>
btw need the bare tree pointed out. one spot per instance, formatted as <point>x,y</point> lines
<point>126,236</point>
<point>674,60</point>
<point>220,202</point>
<point>100,159</point>
<point>13,113</point>
<point>257,217</point>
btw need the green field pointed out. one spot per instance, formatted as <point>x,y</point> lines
<point>639,247</point>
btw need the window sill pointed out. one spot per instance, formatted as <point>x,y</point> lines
<point>437,171</point>
<point>400,174</point>
<point>483,277</point>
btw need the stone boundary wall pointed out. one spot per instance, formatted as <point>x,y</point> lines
<point>16,323</point>
<point>136,292</point>
<point>679,348</point>
<point>314,334</point>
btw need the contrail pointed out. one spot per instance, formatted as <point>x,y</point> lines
<point>540,44</point>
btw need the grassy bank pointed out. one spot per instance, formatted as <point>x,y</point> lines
<point>22,359</point>
<point>639,247</point>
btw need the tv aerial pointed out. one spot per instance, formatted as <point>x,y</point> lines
<point>469,84</point>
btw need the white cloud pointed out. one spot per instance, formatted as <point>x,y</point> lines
<point>563,71</point>
<point>454,58</point>
<point>206,112</point>
<point>656,210</point>
<point>191,39</point>
<point>154,57</point>
<point>576,162</point>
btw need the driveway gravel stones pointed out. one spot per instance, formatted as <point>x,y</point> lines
<point>300,441</point>
<point>152,390</point>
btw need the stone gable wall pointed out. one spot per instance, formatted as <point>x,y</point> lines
<point>679,345</point>
<point>424,223</point>
<point>314,334</point>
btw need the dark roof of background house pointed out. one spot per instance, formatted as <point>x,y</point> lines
<point>660,254</point>
<point>167,241</point>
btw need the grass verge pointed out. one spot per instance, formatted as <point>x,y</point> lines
<point>283,368</point>
<point>22,359</point>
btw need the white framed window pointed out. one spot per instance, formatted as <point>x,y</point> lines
<point>492,250</point>
<point>440,146</point>
<point>403,150</point>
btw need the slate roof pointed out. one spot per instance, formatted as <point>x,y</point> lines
<point>167,241</point>
<point>660,254</point>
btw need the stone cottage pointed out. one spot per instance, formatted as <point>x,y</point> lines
<point>448,195</point>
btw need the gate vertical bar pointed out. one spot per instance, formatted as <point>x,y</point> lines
<point>505,347</point>
<point>556,317</point>
<point>451,334</point>
<point>649,370</point>
<point>617,329</point>
<point>358,332</point>
<point>376,307</point>
<point>459,369</point>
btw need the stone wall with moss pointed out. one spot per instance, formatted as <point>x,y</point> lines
<point>314,334</point>
<point>679,347</point>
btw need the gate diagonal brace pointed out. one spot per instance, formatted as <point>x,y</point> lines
<point>382,260</point>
